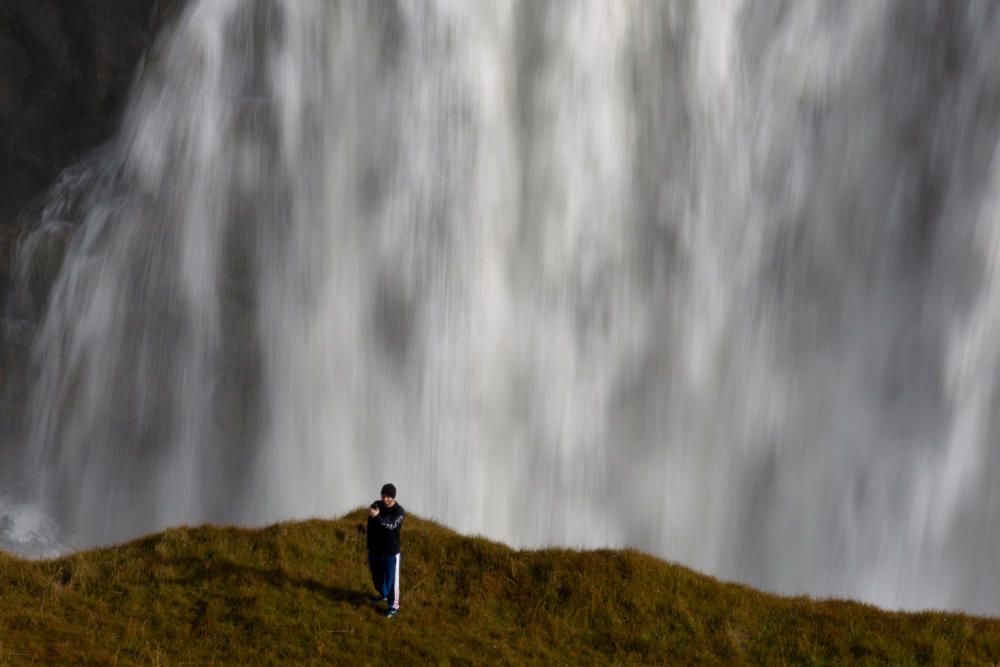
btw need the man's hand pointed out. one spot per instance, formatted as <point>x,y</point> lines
<point>372,511</point>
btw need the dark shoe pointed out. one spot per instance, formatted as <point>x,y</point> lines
<point>390,613</point>
<point>376,600</point>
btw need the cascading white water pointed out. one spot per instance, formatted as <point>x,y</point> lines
<point>718,280</point>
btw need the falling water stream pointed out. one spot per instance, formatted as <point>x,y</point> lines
<point>719,280</point>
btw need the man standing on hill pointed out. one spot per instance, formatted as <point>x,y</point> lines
<point>385,519</point>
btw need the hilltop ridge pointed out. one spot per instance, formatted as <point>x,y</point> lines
<point>297,593</point>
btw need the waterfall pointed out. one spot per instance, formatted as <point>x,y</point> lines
<point>717,280</point>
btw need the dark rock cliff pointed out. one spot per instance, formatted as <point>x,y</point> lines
<point>65,70</point>
<point>66,67</point>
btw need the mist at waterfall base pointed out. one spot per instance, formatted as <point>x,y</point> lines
<point>717,280</point>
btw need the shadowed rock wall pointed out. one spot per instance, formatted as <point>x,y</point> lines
<point>65,70</point>
<point>66,67</point>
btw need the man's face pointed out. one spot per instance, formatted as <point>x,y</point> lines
<point>389,502</point>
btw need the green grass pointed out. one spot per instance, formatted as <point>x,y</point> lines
<point>296,593</point>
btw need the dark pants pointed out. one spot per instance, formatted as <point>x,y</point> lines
<point>385,576</point>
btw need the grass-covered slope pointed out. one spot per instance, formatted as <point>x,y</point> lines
<point>297,593</point>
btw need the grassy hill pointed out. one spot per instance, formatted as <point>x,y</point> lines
<point>297,593</point>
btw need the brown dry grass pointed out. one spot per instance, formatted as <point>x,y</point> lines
<point>297,594</point>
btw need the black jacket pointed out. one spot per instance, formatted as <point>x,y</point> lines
<point>383,530</point>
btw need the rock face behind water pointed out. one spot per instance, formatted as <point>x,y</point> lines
<point>66,67</point>
<point>65,70</point>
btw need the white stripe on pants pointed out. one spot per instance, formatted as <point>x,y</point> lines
<point>395,584</point>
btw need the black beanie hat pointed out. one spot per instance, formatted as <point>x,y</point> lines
<point>389,490</point>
